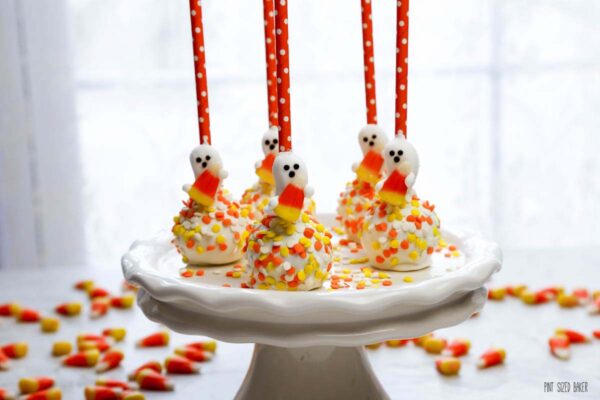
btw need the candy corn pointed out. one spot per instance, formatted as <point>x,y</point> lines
<point>566,300</point>
<point>110,393</point>
<point>457,348</point>
<point>99,307</point>
<point>6,395</point>
<point>396,342</point>
<point>497,293</point>
<point>96,292</point>
<point>99,345</point>
<point>68,309</point>
<point>157,339</point>
<point>149,379</point>
<point>48,394</point>
<point>4,361</point>
<point>123,301</point>
<point>560,346</point>
<point>83,337</point>
<point>32,385</point>
<point>128,287</point>
<point>85,285</point>
<point>596,334</point>
<point>540,297</point>
<point>110,360</point>
<point>209,345</point>
<point>290,202</point>
<point>49,324</point>
<point>369,170</point>
<point>553,291</point>
<point>114,383</point>
<point>434,345</point>
<point>180,365</point>
<point>574,336</point>
<point>153,365</point>
<point>61,348</point>
<point>194,354</point>
<point>516,290</point>
<point>491,357</point>
<point>582,294</point>
<point>420,340</point>
<point>118,334</point>
<point>594,307</point>
<point>28,315</point>
<point>448,366</point>
<point>88,358</point>
<point>373,346</point>
<point>10,310</point>
<point>16,350</point>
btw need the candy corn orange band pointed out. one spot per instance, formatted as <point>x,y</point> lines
<point>200,70</point>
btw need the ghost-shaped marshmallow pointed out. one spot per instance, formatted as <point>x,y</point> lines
<point>292,192</point>
<point>270,148</point>
<point>372,140</point>
<point>402,165</point>
<point>209,173</point>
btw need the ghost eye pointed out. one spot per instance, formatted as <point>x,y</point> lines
<point>207,158</point>
<point>286,167</point>
<point>400,152</point>
<point>296,166</point>
<point>374,136</point>
<point>198,160</point>
<point>392,153</point>
<point>365,139</point>
<point>267,142</point>
<point>275,141</point>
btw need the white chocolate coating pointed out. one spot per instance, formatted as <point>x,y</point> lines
<point>353,206</point>
<point>286,255</point>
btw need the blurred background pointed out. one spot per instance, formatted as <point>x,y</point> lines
<point>97,114</point>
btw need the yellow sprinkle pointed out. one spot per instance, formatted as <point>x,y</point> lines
<point>216,228</point>
<point>443,243</point>
<point>359,260</point>
<point>270,280</point>
<point>244,212</point>
<point>319,274</point>
<point>422,244</point>
<point>337,259</point>
<point>391,218</point>
<point>280,285</point>
<point>349,210</point>
<point>393,261</point>
<point>199,249</point>
<point>176,219</point>
<point>263,286</point>
<point>290,230</point>
<point>413,255</point>
<point>236,274</point>
<point>304,241</point>
<point>375,281</point>
<point>338,230</point>
<point>415,212</point>
<point>411,237</point>
<point>394,244</point>
<point>326,240</point>
<point>346,270</point>
<point>415,203</point>
<point>376,245</point>
<point>455,254</point>
<point>383,275</point>
<point>284,250</point>
<point>188,235</point>
<point>320,228</point>
<point>301,275</point>
<point>184,259</point>
<point>408,279</point>
<point>221,239</point>
<point>305,218</point>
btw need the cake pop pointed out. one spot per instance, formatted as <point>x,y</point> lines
<point>401,232</point>
<point>209,229</point>
<point>359,195</point>
<point>289,249</point>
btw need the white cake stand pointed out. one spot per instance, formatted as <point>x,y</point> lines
<point>309,345</point>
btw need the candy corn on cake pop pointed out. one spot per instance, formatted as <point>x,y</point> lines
<point>401,232</point>
<point>289,249</point>
<point>359,195</point>
<point>209,229</point>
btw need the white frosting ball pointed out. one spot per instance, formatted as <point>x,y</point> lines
<point>353,205</point>
<point>401,238</point>
<point>286,255</point>
<point>210,235</point>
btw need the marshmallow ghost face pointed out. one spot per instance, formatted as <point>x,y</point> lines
<point>288,168</point>
<point>205,157</point>
<point>400,155</point>
<point>372,138</point>
<point>270,141</point>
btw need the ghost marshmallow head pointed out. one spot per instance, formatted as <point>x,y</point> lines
<point>208,170</point>
<point>291,179</point>
<point>270,141</point>
<point>402,164</point>
<point>270,147</point>
<point>372,138</point>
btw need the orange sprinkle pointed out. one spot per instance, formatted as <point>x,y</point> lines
<point>226,222</point>
<point>381,227</point>
<point>219,215</point>
<point>206,219</point>
<point>404,244</point>
<point>386,282</point>
<point>308,232</point>
<point>189,244</point>
<point>429,250</point>
<point>299,248</point>
<point>379,259</point>
<point>211,247</point>
<point>452,247</point>
<point>393,233</point>
<point>226,285</point>
<point>318,245</point>
<point>200,272</point>
<point>223,246</point>
<point>187,273</point>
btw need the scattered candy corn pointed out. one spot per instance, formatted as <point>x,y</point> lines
<point>516,290</point>
<point>100,345</point>
<point>110,393</point>
<point>16,350</point>
<point>194,354</point>
<point>88,358</point>
<point>153,365</point>
<point>128,287</point>
<point>48,394</point>
<point>99,307</point>
<point>114,383</point>
<point>209,345</point>
<point>396,342</point>
<point>4,361</point>
<point>82,337</point>
<point>491,357</point>
<point>434,345</point>
<point>123,301</point>
<point>49,324</point>
<point>61,348</point>
<point>539,297</point>
<point>69,309</point>
<point>420,340</point>
<point>594,307</point>
<point>96,292</point>
<point>567,300</point>
<point>180,365</point>
<point>118,334</point>
<point>574,336</point>
<point>110,360</point>
<point>28,315</point>
<point>157,339</point>
<point>457,348</point>
<point>448,366</point>
<point>582,294</point>
<point>149,379</point>
<point>596,334</point>
<point>374,346</point>
<point>553,291</point>
<point>560,346</point>
<point>32,385</point>
<point>85,285</point>
<point>497,293</point>
<point>6,395</point>
<point>10,310</point>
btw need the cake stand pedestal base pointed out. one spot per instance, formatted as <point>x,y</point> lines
<point>320,372</point>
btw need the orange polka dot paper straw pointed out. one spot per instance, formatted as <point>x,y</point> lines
<point>269,22</point>
<point>200,70</point>
<point>283,75</point>
<point>401,65</point>
<point>369,61</point>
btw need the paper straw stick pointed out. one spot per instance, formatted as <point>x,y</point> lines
<point>283,75</point>
<point>369,61</point>
<point>401,65</point>
<point>269,17</point>
<point>200,70</point>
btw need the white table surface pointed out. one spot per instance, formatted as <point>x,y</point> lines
<point>406,373</point>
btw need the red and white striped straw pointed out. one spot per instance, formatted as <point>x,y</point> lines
<point>269,17</point>
<point>401,65</point>
<point>200,70</point>
<point>283,75</point>
<point>369,61</point>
